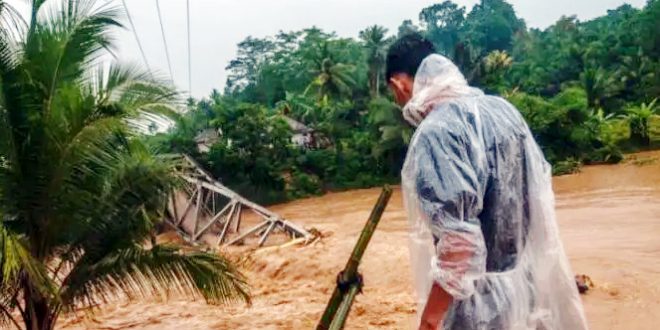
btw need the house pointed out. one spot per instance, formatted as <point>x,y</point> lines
<point>302,135</point>
<point>206,138</point>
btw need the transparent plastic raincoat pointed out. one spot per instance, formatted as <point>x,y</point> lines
<point>481,209</point>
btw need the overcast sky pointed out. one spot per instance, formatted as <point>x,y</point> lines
<point>218,25</point>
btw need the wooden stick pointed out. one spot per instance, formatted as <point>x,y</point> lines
<point>279,247</point>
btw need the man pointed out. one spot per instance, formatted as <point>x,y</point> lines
<point>485,247</point>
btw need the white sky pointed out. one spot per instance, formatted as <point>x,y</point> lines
<point>218,25</point>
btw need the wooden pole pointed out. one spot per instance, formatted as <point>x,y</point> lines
<point>350,274</point>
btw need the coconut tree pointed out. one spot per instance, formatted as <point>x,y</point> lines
<point>495,65</point>
<point>394,133</point>
<point>330,77</point>
<point>598,85</point>
<point>375,41</point>
<point>79,193</point>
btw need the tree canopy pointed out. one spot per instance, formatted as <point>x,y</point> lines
<point>586,89</point>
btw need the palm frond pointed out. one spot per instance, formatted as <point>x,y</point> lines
<point>12,25</point>
<point>16,261</point>
<point>162,271</point>
<point>128,91</point>
<point>72,35</point>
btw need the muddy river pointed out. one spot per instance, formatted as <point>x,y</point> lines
<point>609,218</point>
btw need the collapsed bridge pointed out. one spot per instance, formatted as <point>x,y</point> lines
<point>207,212</point>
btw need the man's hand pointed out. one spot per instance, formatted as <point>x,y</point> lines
<point>436,307</point>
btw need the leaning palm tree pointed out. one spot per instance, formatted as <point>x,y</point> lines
<point>79,193</point>
<point>375,42</point>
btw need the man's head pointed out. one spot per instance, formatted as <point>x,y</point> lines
<point>403,58</point>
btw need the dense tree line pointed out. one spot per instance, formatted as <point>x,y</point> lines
<point>587,90</point>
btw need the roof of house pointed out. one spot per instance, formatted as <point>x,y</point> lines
<point>208,135</point>
<point>296,126</point>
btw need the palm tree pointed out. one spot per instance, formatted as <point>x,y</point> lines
<point>394,132</point>
<point>598,85</point>
<point>495,66</point>
<point>79,193</point>
<point>638,118</point>
<point>299,107</point>
<point>330,78</point>
<point>375,42</point>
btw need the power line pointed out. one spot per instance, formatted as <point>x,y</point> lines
<point>162,32</point>
<point>189,58</point>
<point>130,21</point>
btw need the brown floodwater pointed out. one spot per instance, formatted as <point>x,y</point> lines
<point>609,218</point>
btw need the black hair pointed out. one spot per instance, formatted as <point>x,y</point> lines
<point>406,54</point>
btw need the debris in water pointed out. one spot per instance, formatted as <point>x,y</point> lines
<point>584,283</point>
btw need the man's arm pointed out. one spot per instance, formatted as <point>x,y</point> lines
<point>436,306</point>
<point>449,184</point>
<point>439,299</point>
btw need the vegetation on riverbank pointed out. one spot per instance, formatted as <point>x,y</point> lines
<point>587,90</point>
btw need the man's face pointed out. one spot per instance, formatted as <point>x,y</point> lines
<point>401,85</point>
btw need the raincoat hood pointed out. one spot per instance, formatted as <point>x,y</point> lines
<point>437,80</point>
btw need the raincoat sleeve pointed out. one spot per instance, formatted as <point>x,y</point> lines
<point>449,185</point>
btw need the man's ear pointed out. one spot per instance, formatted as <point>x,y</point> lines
<point>397,84</point>
<point>401,89</point>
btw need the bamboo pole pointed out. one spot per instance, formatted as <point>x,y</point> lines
<point>350,274</point>
<point>345,307</point>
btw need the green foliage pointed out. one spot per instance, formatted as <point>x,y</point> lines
<point>565,128</point>
<point>303,185</point>
<point>639,120</point>
<point>572,83</point>
<point>252,152</point>
<point>80,194</point>
<point>375,42</point>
